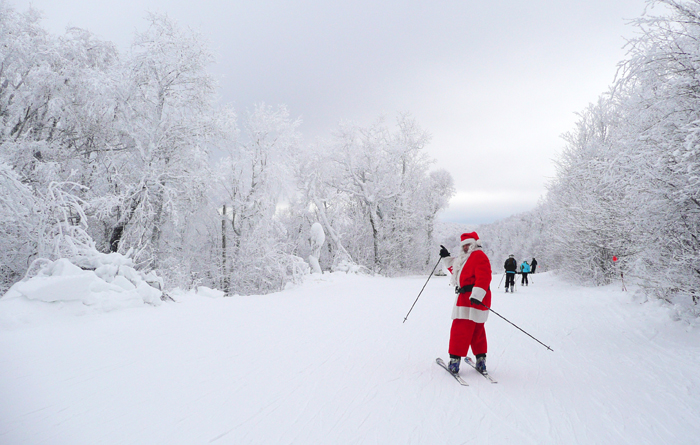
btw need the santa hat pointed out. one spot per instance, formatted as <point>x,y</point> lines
<point>468,238</point>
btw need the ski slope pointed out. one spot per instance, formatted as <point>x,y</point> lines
<point>330,362</point>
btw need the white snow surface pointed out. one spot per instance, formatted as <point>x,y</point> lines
<point>330,361</point>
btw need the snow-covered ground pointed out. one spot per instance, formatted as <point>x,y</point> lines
<point>330,362</point>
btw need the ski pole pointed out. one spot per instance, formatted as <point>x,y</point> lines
<point>421,291</point>
<point>517,326</point>
<point>499,283</point>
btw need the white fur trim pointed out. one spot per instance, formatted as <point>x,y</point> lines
<point>478,293</point>
<point>466,241</point>
<point>469,313</point>
<point>449,261</point>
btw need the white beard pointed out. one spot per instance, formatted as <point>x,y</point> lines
<point>459,262</point>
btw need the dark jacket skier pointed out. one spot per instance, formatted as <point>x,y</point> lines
<point>510,266</point>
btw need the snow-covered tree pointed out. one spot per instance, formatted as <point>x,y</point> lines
<point>255,178</point>
<point>380,177</point>
<point>164,112</point>
<point>628,181</point>
<point>661,93</point>
<point>587,200</point>
<point>19,227</point>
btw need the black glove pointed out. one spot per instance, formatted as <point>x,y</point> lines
<point>475,302</point>
<point>443,252</point>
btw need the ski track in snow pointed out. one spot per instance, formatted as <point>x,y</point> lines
<point>330,361</point>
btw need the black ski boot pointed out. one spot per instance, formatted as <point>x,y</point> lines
<point>453,366</point>
<point>481,363</point>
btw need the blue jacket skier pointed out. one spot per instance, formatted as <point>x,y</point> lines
<point>524,269</point>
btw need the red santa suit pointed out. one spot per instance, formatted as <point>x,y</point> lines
<point>471,271</point>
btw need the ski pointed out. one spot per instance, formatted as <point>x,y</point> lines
<point>461,381</point>
<point>473,365</point>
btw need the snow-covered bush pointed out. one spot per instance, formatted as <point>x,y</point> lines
<point>316,238</point>
<point>112,284</point>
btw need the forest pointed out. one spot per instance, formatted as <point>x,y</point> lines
<point>131,153</point>
<point>627,183</point>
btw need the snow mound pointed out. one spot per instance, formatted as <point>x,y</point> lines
<point>350,267</point>
<point>209,292</point>
<point>112,283</point>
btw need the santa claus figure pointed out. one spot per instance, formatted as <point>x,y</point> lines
<point>471,276</point>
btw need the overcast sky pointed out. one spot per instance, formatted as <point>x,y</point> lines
<point>496,82</point>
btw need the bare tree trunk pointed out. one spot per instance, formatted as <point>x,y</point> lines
<point>429,230</point>
<point>224,271</point>
<point>118,230</point>
<point>375,241</point>
<point>157,224</point>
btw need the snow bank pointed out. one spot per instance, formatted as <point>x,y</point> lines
<point>350,267</point>
<point>113,283</point>
<point>209,292</point>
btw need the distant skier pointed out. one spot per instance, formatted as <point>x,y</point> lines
<point>524,270</point>
<point>471,276</point>
<point>533,265</point>
<point>510,266</point>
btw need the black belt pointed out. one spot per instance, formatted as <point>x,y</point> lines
<point>464,289</point>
